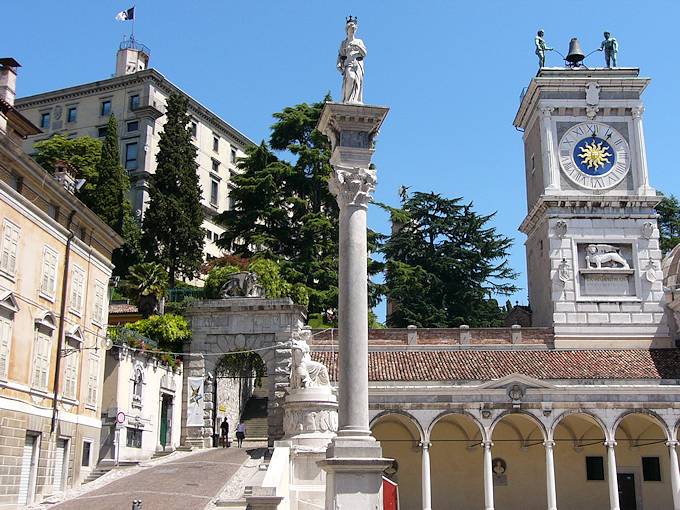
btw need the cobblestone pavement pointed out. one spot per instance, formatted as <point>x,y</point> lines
<point>188,483</point>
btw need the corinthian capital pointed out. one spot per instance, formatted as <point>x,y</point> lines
<point>638,111</point>
<point>546,111</point>
<point>352,186</point>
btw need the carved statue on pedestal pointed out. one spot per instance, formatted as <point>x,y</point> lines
<point>351,64</point>
<point>304,372</point>
<point>598,254</point>
<point>242,284</point>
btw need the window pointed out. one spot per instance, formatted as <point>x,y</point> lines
<point>48,281</point>
<point>134,102</point>
<point>594,468</point>
<point>71,362</point>
<point>533,163</point>
<point>137,386</point>
<point>9,247</point>
<point>133,126</point>
<point>209,234</point>
<point>45,120</point>
<point>215,166</point>
<point>53,211</point>
<point>216,143</point>
<point>77,285</point>
<point>651,469</point>
<point>5,342</point>
<point>214,191</point>
<point>98,306</point>
<point>92,379</point>
<point>101,132</point>
<point>87,453</point>
<point>41,357</point>
<point>71,114</point>
<point>233,156</point>
<point>106,107</point>
<point>131,156</point>
<point>193,126</point>
<point>134,438</point>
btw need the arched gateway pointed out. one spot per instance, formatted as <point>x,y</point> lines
<point>224,325</point>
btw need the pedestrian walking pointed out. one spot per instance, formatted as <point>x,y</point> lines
<point>224,428</point>
<point>240,433</point>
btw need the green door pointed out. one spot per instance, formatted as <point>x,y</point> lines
<point>164,422</point>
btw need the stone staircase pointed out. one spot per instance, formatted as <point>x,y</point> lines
<point>255,418</point>
<point>104,467</point>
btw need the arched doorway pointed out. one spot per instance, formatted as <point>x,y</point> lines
<point>400,439</point>
<point>518,452</point>
<point>580,462</point>
<point>642,462</point>
<point>456,462</point>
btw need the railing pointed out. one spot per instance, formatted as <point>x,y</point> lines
<point>179,294</point>
<point>132,44</point>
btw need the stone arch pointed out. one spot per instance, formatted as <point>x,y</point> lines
<point>412,419</point>
<point>529,416</point>
<point>588,416</point>
<point>648,414</point>
<point>450,412</point>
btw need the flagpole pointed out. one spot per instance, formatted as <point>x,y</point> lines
<point>133,22</point>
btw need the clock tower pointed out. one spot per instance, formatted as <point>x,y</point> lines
<point>593,256</point>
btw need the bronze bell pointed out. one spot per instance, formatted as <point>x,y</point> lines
<point>575,55</point>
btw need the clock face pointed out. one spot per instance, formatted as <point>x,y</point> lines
<point>594,155</point>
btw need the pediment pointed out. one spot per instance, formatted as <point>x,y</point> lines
<point>74,333</point>
<point>46,320</point>
<point>9,302</point>
<point>516,378</point>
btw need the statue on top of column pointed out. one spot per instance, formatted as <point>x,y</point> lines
<point>610,46</point>
<point>541,48</point>
<point>351,64</point>
<point>304,372</point>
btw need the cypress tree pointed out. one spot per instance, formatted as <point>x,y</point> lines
<point>173,234</point>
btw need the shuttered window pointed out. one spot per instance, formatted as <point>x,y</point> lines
<point>10,245</point>
<point>92,379</point>
<point>77,285</point>
<point>99,302</point>
<point>5,344</point>
<point>48,282</point>
<point>71,374</point>
<point>41,359</point>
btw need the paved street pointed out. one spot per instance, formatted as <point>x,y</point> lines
<point>188,483</point>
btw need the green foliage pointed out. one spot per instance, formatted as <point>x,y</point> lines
<point>173,233</point>
<point>83,153</point>
<point>283,211</point>
<point>443,262</point>
<point>242,364</point>
<point>146,284</point>
<point>669,223</point>
<point>169,331</point>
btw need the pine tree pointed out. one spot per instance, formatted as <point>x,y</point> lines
<point>111,202</point>
<point>173,233</point>
<point>669,223</point>
<point>443,264</point>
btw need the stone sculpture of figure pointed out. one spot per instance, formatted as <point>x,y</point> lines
<point>351,64</point>
<point>242,284</point>
<point>541,48</point>
<point>610,46</point>
<point>304,372</point>
<point>598,254</point>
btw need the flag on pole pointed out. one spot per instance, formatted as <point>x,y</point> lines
<point>128,15</point>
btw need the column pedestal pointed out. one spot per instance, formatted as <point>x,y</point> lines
<point>354,461</point>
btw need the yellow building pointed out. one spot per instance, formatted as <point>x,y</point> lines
<point>55,264</point>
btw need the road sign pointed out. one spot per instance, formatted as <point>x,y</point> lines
<point>120,417</point>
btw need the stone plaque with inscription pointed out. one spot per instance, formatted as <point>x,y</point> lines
<point>606,283</point>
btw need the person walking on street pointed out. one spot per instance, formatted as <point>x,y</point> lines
<point>224,427</point>
<point>240,433</point>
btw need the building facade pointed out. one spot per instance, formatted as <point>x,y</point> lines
<point>141,406</point>
<point>137,96</point>
<point>55,265</point>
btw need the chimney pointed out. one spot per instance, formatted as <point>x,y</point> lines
<point>8,87</point>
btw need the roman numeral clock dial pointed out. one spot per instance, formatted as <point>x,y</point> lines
<point>594,155</point>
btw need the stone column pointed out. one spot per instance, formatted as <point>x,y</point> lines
<point>550,474</point>
<point>612,475</point>
<point>488,476</point>
<point>354,461</point>
<point>640,152</point>
<point>426,481</point>
<point>551,175</point>
<point>675,473</point>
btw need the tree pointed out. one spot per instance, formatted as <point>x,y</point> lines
<point>284,212</point>
<point>443,264</point>
<point>169,331</point>
<point>111,203</point>
<point>146,284</point>
<point>669,223</point>
<point>83,153</point>
<point>173,233</point>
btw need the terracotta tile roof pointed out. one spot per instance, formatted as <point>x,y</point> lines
<point>471,365</point>
<point>122,308</point>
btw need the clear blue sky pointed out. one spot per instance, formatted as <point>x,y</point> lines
<point>451,72</point>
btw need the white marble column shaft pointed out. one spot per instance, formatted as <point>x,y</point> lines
<point>550,164</point>
<point>550,474</point>
<point>675,473</point>
<point>488,476</point>
<point>426,480</point>
<point>640,152</point>
<point>612,476</point>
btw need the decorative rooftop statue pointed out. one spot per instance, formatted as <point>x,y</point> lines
<point>541,48</point>
<point>610,46</point>
<point>304,372</point>
<point>351,64</point>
